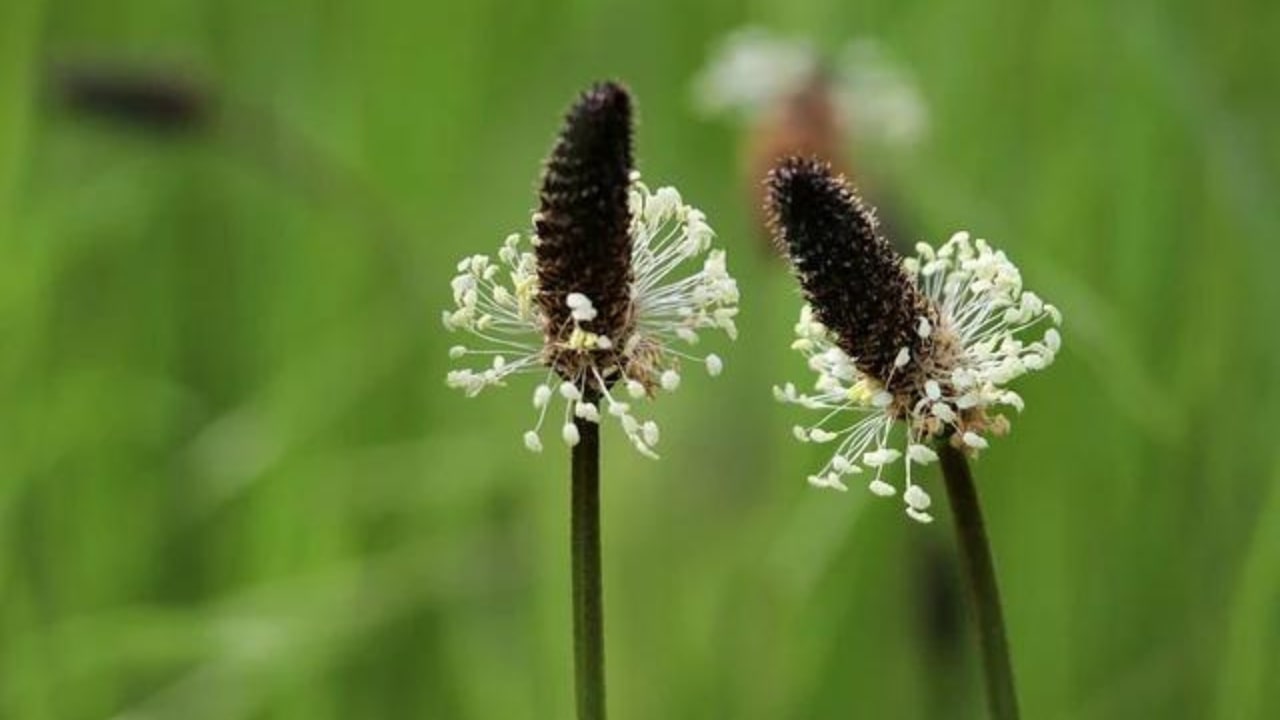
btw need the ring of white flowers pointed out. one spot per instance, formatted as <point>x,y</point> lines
<point>496,302</point>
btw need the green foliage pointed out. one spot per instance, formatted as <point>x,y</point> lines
<point>233,484</point>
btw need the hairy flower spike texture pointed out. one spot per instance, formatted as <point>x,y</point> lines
<point>601,299</point>
<point>930,340</point>
<point>583,224</point>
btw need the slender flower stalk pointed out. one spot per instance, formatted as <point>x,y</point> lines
<point>602,303</point>
<point>984,592</point>
<point>912,356</point>
<point>588,595</point>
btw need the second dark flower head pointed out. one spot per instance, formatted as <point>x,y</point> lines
<point>929,340</point>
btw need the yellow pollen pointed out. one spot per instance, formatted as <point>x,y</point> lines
<point>860,393</point>
<point>526,289</point>
<point>580,339</point>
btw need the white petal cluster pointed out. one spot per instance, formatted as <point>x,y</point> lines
<point>999,332</point>
<point>752,68</point>
<point>680,288</point>
<point>880,95</point>
<point>497,303</point>
<point>666,234</point>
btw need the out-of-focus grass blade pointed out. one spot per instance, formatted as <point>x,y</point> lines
<point>19,31</point>
<point>1249,658</point>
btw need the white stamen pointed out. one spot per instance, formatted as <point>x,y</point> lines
<point>532,441</point>
<point>670,380</point>
<point>944,412</point>
<point>587,411</point>
<point>881,457</point>
<point>581,307</point>
<point>569,391</point>
<point>919,516</point>
<point>819,435</point>
<point>570,434</point>
<point>882,488</point>
<point>635,389</point>
<point>924,328</point>
<point>921,454</point>
<point>714,365</point>
<point>541,395</point>
<point>651,434</point>
<point>917,498</point>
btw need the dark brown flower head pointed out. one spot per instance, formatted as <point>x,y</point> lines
<point>851,277</point>
<point>929,341</point>
<point>583,220</point>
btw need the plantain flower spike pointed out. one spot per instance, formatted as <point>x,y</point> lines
<point>928,342</point>
<point>608,297</point>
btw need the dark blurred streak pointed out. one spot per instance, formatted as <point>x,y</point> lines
<point>155,102</point>
<point>940,604</point>
<point>940,617</point>
<point>162,103</point>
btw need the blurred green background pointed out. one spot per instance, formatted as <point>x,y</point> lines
<point>233,484</point>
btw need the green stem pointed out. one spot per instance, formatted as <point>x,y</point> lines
<point>980,575</point>
<point>588,605</point>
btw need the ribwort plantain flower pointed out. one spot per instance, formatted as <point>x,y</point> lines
<point>929,341</point>
<point>607,295</point>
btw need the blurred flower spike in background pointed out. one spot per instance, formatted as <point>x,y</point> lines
<point>753,70</point>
